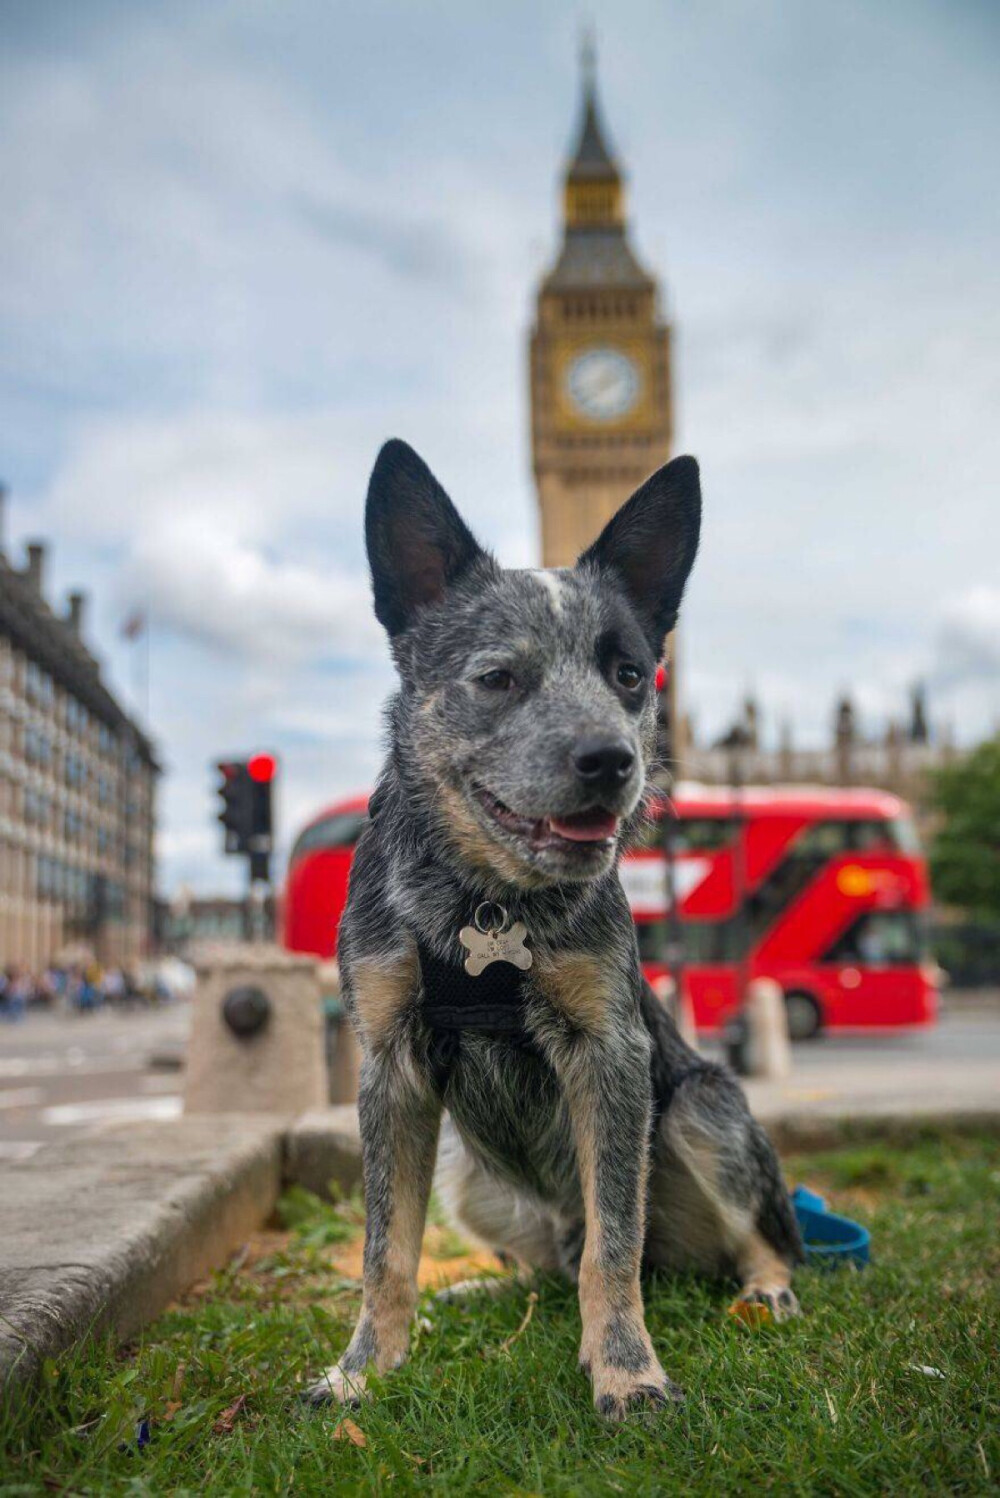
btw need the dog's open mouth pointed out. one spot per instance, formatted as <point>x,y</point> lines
<point>594,828</point>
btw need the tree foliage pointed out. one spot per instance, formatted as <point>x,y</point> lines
<point>965,853</point>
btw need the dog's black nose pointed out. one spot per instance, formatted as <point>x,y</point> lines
<point>603,763</point>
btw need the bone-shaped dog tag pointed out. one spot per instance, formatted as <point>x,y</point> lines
<point>485,947</point>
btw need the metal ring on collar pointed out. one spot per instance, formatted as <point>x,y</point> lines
<point>491,919</point>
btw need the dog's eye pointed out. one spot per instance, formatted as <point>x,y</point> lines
<point>629,676</point>
<point>496,681</point>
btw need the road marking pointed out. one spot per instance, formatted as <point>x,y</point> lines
<point>158,1083</point>
<point>19,1149</point>
<point>14,1065</point>
<point>21,1097</point>
<point>125,1109</point>
<point>48,1064</point>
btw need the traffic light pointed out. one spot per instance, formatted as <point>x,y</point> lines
<point>236,791</point>
<point>246,809</point>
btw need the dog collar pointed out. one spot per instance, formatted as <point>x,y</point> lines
<point>484,994</point>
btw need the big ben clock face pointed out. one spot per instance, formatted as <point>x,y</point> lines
<point>603,384</point>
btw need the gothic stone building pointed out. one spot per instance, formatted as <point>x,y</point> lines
<point>901,759</point>
<point>77,784</point>
<point>600,357</point>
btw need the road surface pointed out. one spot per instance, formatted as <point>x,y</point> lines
<point>63,1074</point>
<point>60,1075</point>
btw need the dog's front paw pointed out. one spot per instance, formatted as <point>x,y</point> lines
<point>336,1386</point>
<point>618,1393</point>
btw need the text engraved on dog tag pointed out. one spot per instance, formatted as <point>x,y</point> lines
<point>485,947</point>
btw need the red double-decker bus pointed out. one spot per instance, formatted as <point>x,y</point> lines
<point>825,891</point>
<point>319,865</point>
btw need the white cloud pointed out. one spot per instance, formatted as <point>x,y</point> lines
<point>219,590</point>
<point>969,639</point>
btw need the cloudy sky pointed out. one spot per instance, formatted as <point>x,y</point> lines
<point>242,243</point>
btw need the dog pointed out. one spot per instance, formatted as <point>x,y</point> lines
<point>488,956</point>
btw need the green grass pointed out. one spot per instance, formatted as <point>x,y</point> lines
<point>831,1403</point>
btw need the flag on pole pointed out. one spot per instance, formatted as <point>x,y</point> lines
<point>133,625</point>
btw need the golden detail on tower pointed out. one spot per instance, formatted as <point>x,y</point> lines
<point>600,356</point>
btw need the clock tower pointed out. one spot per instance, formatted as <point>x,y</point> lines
<point>601,419</point>
<point>600,356</point>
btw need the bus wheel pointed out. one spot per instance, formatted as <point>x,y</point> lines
<point>804,1017</point>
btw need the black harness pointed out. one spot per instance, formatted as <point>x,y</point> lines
<point>492,1004</point>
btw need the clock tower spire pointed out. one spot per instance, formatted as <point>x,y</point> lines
<point>593,196</point>
<point>600,354</point>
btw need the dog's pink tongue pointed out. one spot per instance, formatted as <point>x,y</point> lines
<point>586,826</point>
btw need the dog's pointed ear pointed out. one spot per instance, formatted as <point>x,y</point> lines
<point>650,546</point>
<point>418,543</point>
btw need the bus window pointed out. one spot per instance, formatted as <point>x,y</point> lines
<point>704,834</point>
<point>844,835</point>
<point>707,943</point>
<point>821,841</point>
<point>653,939</point>
<point>881,938</point>
<point>690,834</point>
<point>871,837</point>
<point>703,943</point>
<point>903,834</point>
<point>342,830</point>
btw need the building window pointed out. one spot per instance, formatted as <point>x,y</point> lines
<point>37,808</point>
<point>77,717</point>
<point>37,747</point>
<point>73,827</point>
<point>38,685</point>
<point>76,771</point>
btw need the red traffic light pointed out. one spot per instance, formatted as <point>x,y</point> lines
<point>262,768</point>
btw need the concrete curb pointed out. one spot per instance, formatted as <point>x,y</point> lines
<point>102,1233</point>
<point>324,1147</point>
<point>793,1132</point>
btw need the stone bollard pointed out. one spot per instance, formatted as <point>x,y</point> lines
<point>680,1009</point>
<point>768,1051</point>
<point>343,1051</point>
<point>256,1041</point>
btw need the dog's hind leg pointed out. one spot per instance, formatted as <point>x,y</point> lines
<point>492,1212</point>
<point>718,1199</point>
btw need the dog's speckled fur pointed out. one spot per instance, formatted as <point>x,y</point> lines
<point>609,1144</point>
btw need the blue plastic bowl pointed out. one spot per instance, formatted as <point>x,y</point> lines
<point>829,1239</point>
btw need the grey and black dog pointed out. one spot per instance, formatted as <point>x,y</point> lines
<point>593,1141</point>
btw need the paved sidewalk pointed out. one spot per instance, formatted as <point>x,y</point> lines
<point>102,1232</point>
<point>954,1069</point>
